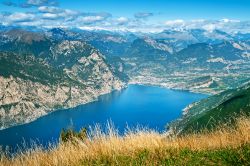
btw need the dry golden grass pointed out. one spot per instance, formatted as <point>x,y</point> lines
<point>111,145</point>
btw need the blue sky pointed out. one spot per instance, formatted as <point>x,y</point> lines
<point>126,14</point>
<point>171,9</point>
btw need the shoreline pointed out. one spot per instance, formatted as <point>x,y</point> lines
<point>172,88</point>
<point>64,108</point>
<point>122,88</point>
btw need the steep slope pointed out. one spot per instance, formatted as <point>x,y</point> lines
<point>203,52</point>
<point>224,64</point>
<point>41,75</point>
<point>184,59</point>
<point>209,113</point>
<point>145,49</point>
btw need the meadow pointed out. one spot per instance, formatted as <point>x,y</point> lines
<point>222,146</point>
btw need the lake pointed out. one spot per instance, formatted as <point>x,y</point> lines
<point>148,106</point>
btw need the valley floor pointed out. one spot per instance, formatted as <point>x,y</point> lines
<point>224,146</point>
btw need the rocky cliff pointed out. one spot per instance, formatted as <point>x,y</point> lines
<point>64,74</point>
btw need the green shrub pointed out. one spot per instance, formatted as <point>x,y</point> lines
<point>70,135</point>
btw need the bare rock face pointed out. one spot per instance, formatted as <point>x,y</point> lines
<point>74,73</point>
<point>22,101</point>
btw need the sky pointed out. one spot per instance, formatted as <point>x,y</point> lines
<point>132,15</point>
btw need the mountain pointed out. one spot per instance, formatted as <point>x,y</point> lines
<point>180,39</point>
<point>242,36</point>
<point>61,68</point>
<point>224,63</point>
<point>207,54</point>
<point>41,73</point>
<point>143,48</point>
<point>219,109</point>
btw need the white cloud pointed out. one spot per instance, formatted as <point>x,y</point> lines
<point>122,20</point>
<point>49,9</point>
<point>29,3</point>
<point>52,16</point>
<point>90,28</point>
<point>226,20</point>
<point>20,17</point>
<point>198,21</point>
<point>35,2</point>
<point>41,2</point>
<point>53,13</point>
<point>174,22</point>
<point>210,27</point>
<point>91,19</point>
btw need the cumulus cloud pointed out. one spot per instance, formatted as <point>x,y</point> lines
<point>53,13</point>
<point>198,21</point>
<point>210,27</point>
<point>143,15</point>
<point>122,20</point>
<point>130,24</point>
<point>19,17</point>
<point>224,24</point>
<point>92,18</point>
<point>41,2</point>
<point>49,15</point>
<point>226,20</point>
<point>49,9</point>
<point>175,22</point>
<point>29,3</point>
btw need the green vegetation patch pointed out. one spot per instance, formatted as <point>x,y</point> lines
<point>28,67</point>
<point>225,156</point>
<point>219,109</point>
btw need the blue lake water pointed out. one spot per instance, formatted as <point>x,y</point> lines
<point>148,106</point>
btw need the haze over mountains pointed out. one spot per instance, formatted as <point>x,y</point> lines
<point>49,69</point>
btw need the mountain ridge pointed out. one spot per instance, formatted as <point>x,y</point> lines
<point>74,66</point>
<point>34,82</point>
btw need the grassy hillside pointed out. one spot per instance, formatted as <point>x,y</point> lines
<point>225,146</point>
<point>220,108</point>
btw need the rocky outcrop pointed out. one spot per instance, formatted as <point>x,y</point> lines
<point>31,86</point>
<point>22,101</point>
